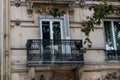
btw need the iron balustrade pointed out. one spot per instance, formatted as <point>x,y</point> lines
<point>112,55</point>
<point>42,51</point>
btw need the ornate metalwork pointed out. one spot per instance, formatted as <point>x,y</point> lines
<point>112,55</point>
<point>17,3</point>
<point>54,51</point>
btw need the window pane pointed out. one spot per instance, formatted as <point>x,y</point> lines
<point>108,35</point>
<point>46,29</point>
<point>46,41</point>
<point>117,33</point>
<point>57,38</point>
<point>56,30</point>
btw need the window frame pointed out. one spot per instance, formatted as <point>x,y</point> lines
<point>113,32</point>
<point>51,28</point>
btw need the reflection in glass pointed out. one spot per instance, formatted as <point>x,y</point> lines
<point>56,31</point>
<point>112,34</point>
<point>46,40</point>
<point>108,35</point>
<point>57,38</point>
<point>117,34</point>
<point>51,32</point>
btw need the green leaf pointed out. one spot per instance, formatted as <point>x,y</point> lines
<point>99,12</point>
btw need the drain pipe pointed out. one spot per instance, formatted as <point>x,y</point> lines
<point>6,40</point>
<point>1,38</point>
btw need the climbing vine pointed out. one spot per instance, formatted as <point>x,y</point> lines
<point>53,10</point>
<point>99,12</point>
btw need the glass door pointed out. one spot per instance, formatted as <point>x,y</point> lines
<point>51,34</point>
<point>46,44</point>
<point>112,34</point>
<point>117,34</point>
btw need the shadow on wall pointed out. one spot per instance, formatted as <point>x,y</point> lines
<point>56,76</point>
<point>40,78</point>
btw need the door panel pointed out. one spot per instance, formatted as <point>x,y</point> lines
<point>46,38</point>
<point>57,36</point>
<point>46,29</point>
<point>51,35</point>
<point>56,30</point>
<point>117,34</point>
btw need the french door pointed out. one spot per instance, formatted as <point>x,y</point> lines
<point>51,33</point>
<point>112,35</point>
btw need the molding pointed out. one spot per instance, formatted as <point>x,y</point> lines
<point>29,6</point>
<point>12,3</point>
<point>96,48</point>
<point>27,26</point>
<point>17,3</point>
<point>19,70</point>
<point>29,21</point>
<point>18,48</point>
<point>95,63</point>
<point>94,70</point>
<point>43,68</point>
<point>12,48</point>
<point>81,26</point>
<point>30,26</point>
<point>17,22</point>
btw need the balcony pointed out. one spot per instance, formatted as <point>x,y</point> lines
<point>48,52</point>
<point>112,55</point>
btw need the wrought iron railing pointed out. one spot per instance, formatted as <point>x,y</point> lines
<point>53,51</point>
<point>112,55</point>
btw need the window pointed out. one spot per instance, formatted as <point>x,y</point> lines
<point>53,31</point>
<point>54,28</point>
<point>112,34</point>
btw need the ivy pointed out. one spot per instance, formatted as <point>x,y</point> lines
<point>54,11</point>
<point>99,12</point>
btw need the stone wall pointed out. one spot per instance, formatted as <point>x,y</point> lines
<point>25,25</point>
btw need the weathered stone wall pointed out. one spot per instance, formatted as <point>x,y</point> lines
<point>28,28</point>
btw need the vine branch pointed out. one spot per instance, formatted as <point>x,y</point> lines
<point>99,12</point>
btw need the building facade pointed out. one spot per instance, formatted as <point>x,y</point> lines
<point>41,40</point>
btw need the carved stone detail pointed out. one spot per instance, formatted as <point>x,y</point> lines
<point>62,76</point>
<point>58,75</point>
<point>117,12</point>
<point>112,75</point>
<point>29,6</point>
<point>42,77</point>
<point>17,22</point>
<point>45,10</point>
<point>17,3</point>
